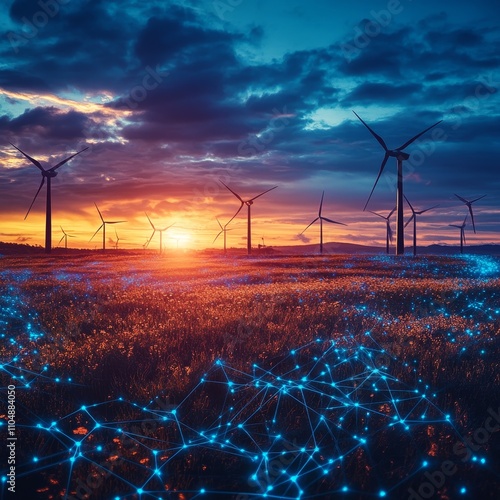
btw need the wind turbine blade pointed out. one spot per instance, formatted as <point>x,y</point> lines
<point>168,227</point>
<point>375,213</point>
<point>61,163</point>
<point>215,239</point>
<point>100,215</point>
<point>61,238</point>
<point>237,212</point>
<point>382,166</point>
<point>389,231</point>
<point>255,197</point>
<point>39,187</point>
<point>408,201</point>
<point>406,144</point>
<point>321,204</point>
<point>463,235</point>
<point>317,218</point>
<point>427,209</point>
<point>150,221</point>
<point>410,219</point>
<point>472,217</point>
<point>150,238</point>
<point>102,225</point>
<point>32,160</point>
<point>115,221</point>
<point>473,201</point>
<point>379,139</point>
<point>333,221</point>
<point>454,225</point>
<point>220,225</point>
<point>462,199</point>
<point>390,213</point>
<point>235,194</point>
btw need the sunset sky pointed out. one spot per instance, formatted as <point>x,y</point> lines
<point>171,97</point>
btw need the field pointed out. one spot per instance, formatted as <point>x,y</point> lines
<point>138,376</point>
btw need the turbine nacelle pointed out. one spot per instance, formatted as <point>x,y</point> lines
<point>400,155</point>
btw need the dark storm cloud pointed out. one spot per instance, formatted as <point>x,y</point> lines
<point>208,99</point>
<point>381,92</point>
<point>47,123</point>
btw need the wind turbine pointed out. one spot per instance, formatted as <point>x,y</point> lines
<point>469,206</point>
<point>65,238</point>
<point>462,233</point>
<point>389,237</point>
<point>223,229</point>
<point>47,175</point>
<point>103,227</point>
<point>159,230</point>
<point>117,240</point>
<point>248,203</point>
<point>400,156</point>
<point>414,218</point>
<point>321,219</point>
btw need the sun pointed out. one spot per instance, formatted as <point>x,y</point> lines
<point>180,239</point>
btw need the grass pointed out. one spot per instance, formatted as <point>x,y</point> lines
<point>136,327</point>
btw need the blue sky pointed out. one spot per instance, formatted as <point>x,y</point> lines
<point>172,97</point>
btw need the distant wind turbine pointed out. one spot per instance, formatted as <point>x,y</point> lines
<point>248,203</point>
<point>321,219</point>
<point>47,175</point>
<point>160,231</point>
<point>400,156</point>
<point>65,238</point>
<point>414,219</point>
<point>223,230</point>
<point>389,237</point>
<point>462,233</point>
<point>117,240</point>
<point>469,206</point>
<point>103,227</point>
